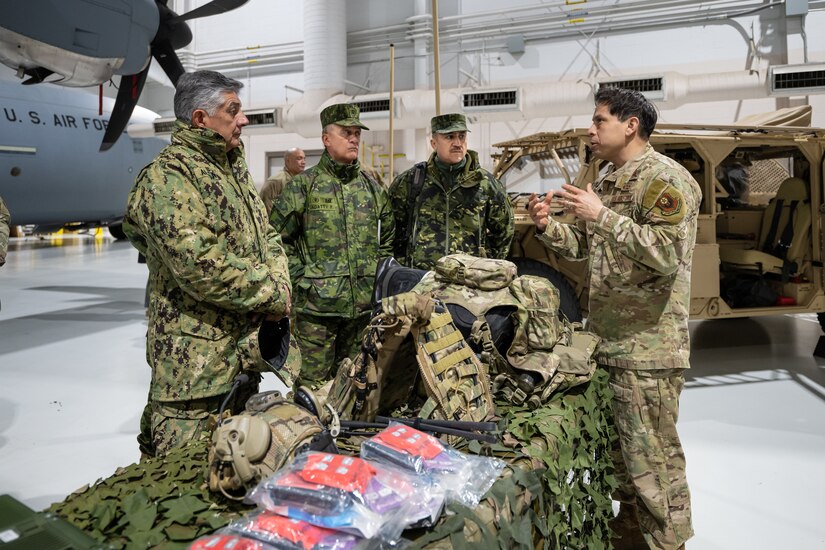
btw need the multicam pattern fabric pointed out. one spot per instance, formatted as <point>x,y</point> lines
<point>639,252</point>
<point>650,467</point>
<point>336,224</point>
<point>5,222</point>
<point>215,266</point>
<point>459,209</point>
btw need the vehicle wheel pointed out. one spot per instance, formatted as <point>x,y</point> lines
<point>821,317</point>
<point>116,231</point>
<point>569,302</point>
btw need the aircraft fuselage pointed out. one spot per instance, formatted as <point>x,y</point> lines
<point>51,172</point>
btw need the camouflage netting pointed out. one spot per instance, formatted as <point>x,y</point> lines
<point>554,494</point>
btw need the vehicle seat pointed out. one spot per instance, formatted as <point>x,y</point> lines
<point>785,237</point>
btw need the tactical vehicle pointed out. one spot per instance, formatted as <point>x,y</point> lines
<point>759,247</point>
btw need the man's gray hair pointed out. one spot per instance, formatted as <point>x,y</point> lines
<point>202,90</point>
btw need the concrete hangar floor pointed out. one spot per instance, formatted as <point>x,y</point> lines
<point>73,381</point>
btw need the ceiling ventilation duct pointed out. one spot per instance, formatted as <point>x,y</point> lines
<point>260,121</point>
<point>652,87</point>
<point>498,100</point>
<point>790,80</point>
<point>379,105</point>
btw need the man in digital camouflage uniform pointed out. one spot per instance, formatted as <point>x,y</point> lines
<point>294,163</point>
<point>5,223</point>
<point>216,267</point>
<point>336,223</point>
<point>457,206</point>
<point>636,227</point>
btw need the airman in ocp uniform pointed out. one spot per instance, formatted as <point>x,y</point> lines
<point>336,223</point>
<point>294,163</point>
<point>449,204</point>
<point>217,269</point>
<point>636,227</point>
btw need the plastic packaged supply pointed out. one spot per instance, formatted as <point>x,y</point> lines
<point>350,494</point>
<point>464,478</point>
<point>226,541</point>
<point>284,532</point>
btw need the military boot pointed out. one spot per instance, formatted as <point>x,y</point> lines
<point>626,533</point>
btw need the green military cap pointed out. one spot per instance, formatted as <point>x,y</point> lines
<point>342,114</point>
<point>445,124</point>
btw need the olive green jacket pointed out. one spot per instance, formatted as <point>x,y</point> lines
<point>214,265</point>
<point>336,223</point>
<point>467,211</point>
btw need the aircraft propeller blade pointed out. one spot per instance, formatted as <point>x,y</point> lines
<point>169,61</point>
<point>127,96</point>
<point>173,33</point>
<point>212,8</point>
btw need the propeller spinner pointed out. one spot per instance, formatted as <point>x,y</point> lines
<point>173,33</point>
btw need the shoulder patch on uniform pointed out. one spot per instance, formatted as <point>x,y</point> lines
<point>664,202</point>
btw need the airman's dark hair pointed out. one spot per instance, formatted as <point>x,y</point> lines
<point>623,104</point>
<point>202,90</point>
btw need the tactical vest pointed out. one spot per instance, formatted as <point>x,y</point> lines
<point>514,325</point>
<point>455,360</point>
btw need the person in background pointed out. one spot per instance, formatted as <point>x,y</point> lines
<point>217,270</point>
<point>5,227</point>
<point>295,161</point>
<point>449,203</point>
<point>336,223</point>
<point>636,228</point>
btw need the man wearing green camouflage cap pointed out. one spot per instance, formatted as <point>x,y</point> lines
<point>336,223</point>
<point>449,203</point>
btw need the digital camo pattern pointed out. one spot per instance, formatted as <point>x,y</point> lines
<point>651,475</point>
<point>326,341</point>
<point>215,265</point>
<point>639,252</point>
<point>173,424</point>
<point>5,223</point>
<point>336,224</point>
<point>446,124</point>
<point>342,114</point>
<point>273,187</point>
<point>463,210</point>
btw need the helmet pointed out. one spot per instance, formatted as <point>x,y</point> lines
<point>251,445</point>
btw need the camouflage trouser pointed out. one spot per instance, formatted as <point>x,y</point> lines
<point>650,462</point>
<point>165,425</point>
<point>325,342</point>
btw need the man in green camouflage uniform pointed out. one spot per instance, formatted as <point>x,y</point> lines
<point>5,222</point>
<point>336,223</point>
<point>216,268</point>
<point>636,226</point>
<point>457,206</point>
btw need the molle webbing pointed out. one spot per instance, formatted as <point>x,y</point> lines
<point>457,383</point>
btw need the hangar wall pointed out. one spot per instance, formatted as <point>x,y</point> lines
<point>490,43</point>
